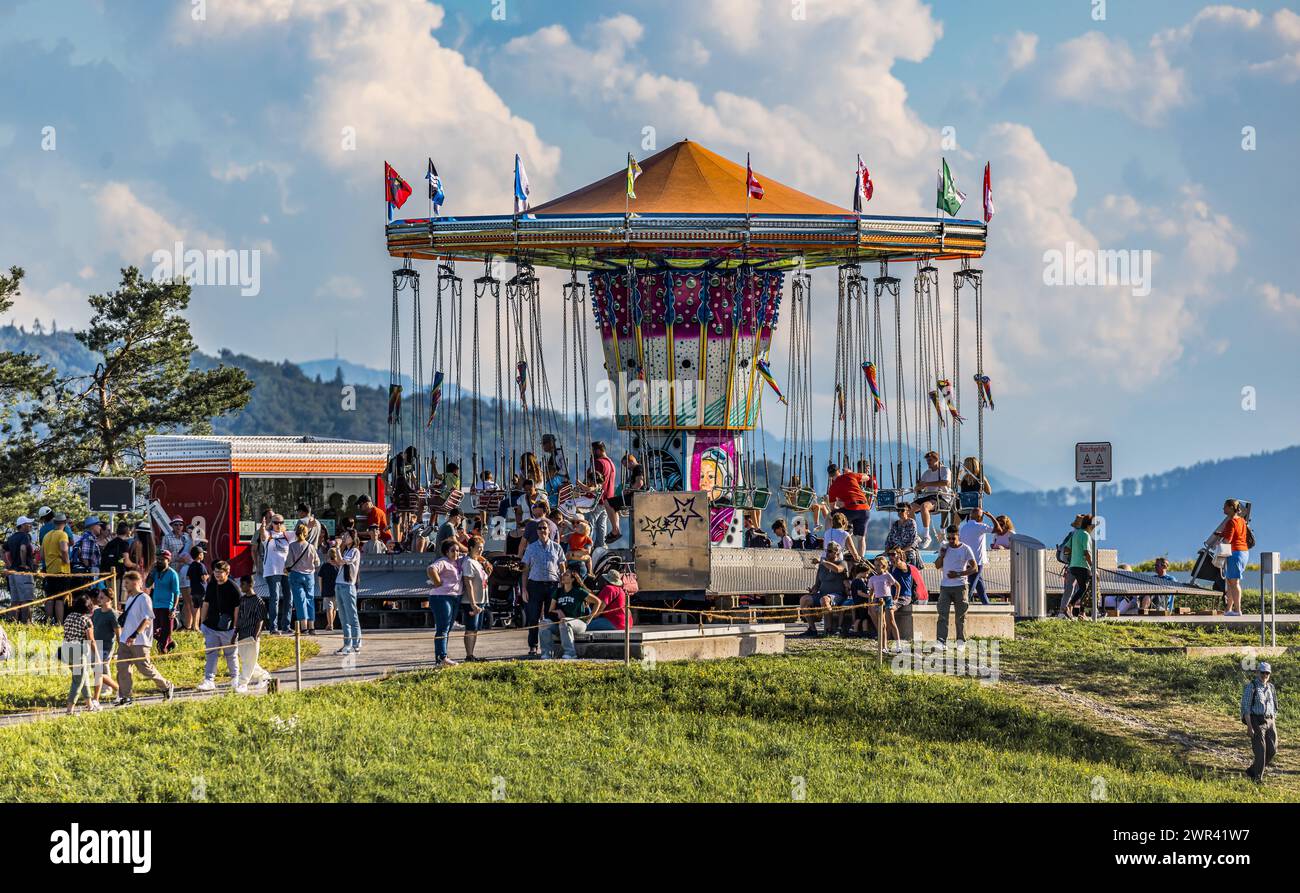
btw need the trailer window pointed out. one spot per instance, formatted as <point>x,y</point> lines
<point>331,499</point>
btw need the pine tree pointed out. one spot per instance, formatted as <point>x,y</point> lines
<point>144,383</point>
<point>23,379</point>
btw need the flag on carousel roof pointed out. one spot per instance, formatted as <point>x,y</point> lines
<point>522,189</point>
<point>949,198</point>
<point>863,188</point>
<point>988,193</point>
<point>396,190</point>
<point>436,195</point>
<point>633,171</point>
<point>755,188</point>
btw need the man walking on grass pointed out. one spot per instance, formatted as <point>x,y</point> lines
<point>1259,714</point>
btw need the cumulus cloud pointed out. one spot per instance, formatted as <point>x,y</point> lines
<point>1283,303</point>
<point>1096,70</point>
<point>788,132</point>
<point>385,88</point>
<point>1022,49</point>
<point>135,229</point>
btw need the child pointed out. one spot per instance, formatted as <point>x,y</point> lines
<point>783,540</point>
<point>860,594</point>
<point>901,571</point>
<point>249,615</point>
<point>80,653</point>
<point>883,587</point>
<point>105,626</point>
<point>580,549</point>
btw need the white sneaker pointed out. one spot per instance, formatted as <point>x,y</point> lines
<point>92,706</point>
<point>241,689</point>
<point>206,685</point>
<point>961,646</point>
<point>939,646</point>
<point>925,543</point>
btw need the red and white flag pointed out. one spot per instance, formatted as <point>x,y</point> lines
<point>988,193</point>
<point>862,187</point>
<point>751,182</point>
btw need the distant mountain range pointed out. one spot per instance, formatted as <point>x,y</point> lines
<point>1161,514</point>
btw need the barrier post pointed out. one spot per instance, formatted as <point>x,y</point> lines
<point>627,629</point>
<point>297,653</point>
<point>880,633</point>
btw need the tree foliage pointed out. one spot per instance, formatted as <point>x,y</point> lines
<point>144,382</point>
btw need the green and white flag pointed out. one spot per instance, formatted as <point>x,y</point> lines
<point>949,198</point>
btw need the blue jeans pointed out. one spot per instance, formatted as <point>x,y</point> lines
<point>977,587</point>
<point>600,624</point>
<point>277,602</point>
<point>539,596</point>
<point>303,588</point>
<point>345,594</point>
<point>444,611</point>
<point>599,521</point>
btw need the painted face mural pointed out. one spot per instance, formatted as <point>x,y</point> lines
<point>713,460</point>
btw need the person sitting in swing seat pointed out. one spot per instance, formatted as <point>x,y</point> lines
<point>934,485</point>
<point>555,467</point>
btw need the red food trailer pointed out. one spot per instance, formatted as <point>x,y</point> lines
<point>222,486</point>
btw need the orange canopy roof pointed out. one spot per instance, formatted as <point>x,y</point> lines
<point>687,178</point>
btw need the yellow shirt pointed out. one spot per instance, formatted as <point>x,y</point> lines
<point>55,563</point>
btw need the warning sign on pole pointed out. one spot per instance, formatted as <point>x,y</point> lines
<point>1092,462</point>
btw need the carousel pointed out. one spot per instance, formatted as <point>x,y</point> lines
<point>684,264</point>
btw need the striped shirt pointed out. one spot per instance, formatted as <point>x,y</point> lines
<point>252,610</point>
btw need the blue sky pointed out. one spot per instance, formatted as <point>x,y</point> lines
<point>225,130</point>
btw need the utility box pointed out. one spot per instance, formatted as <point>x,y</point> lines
<point>1270,563</point>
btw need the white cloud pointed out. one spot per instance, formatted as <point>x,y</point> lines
<point>1096,70</point>
<point>378,69</point>
<point>1022,49</point>
<point>1284,303</point>
<point>342,287</point>
<point>808,138</point>
<point>135,230</point>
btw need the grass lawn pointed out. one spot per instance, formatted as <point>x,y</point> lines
<point>23,689</point>
<point>823,721</point>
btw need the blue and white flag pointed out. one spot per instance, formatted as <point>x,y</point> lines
<point>522,189</point>
<point>436,195</point>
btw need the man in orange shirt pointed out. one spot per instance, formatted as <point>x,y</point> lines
<point>375,515</point>
<point>848,492</point>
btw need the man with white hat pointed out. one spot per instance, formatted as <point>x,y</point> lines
<point>20,560</point>
<point>1259,713</point>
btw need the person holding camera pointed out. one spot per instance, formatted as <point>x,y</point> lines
<point>346,558</point>
<point>956,563</point>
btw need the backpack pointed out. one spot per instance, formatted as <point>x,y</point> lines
<point>1063,549</point>
<point>1250,537</point>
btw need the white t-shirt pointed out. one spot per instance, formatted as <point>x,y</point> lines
<point>955,559</point>
<point>838,537</point>
<point>1002,541</point>
<point>352,557</point>
<point>937,476</point>
<point>475,578</point>
<point>975,534</point>
<point>138,607</point>
<point>277,552</point>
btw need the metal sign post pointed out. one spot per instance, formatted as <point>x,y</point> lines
<point>1092,463</point>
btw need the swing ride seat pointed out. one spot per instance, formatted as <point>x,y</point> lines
<point>408,501</point>
<point>968,501</point>
<point>445,499</point>
<point>488,501</point>
<point>746,498</point>
<point>799,499</point>
<point>891,500</point>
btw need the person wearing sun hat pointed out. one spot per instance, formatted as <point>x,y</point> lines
<point>1259,715</point>
<point>19,555</point>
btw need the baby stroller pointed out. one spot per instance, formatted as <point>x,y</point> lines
<point>504,607</point>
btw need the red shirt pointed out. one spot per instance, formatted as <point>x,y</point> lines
<point>605,466</point>
<point>1234,533</point>
<point>848,489</point>
<point>376,515</point>
<point>613,599</point>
